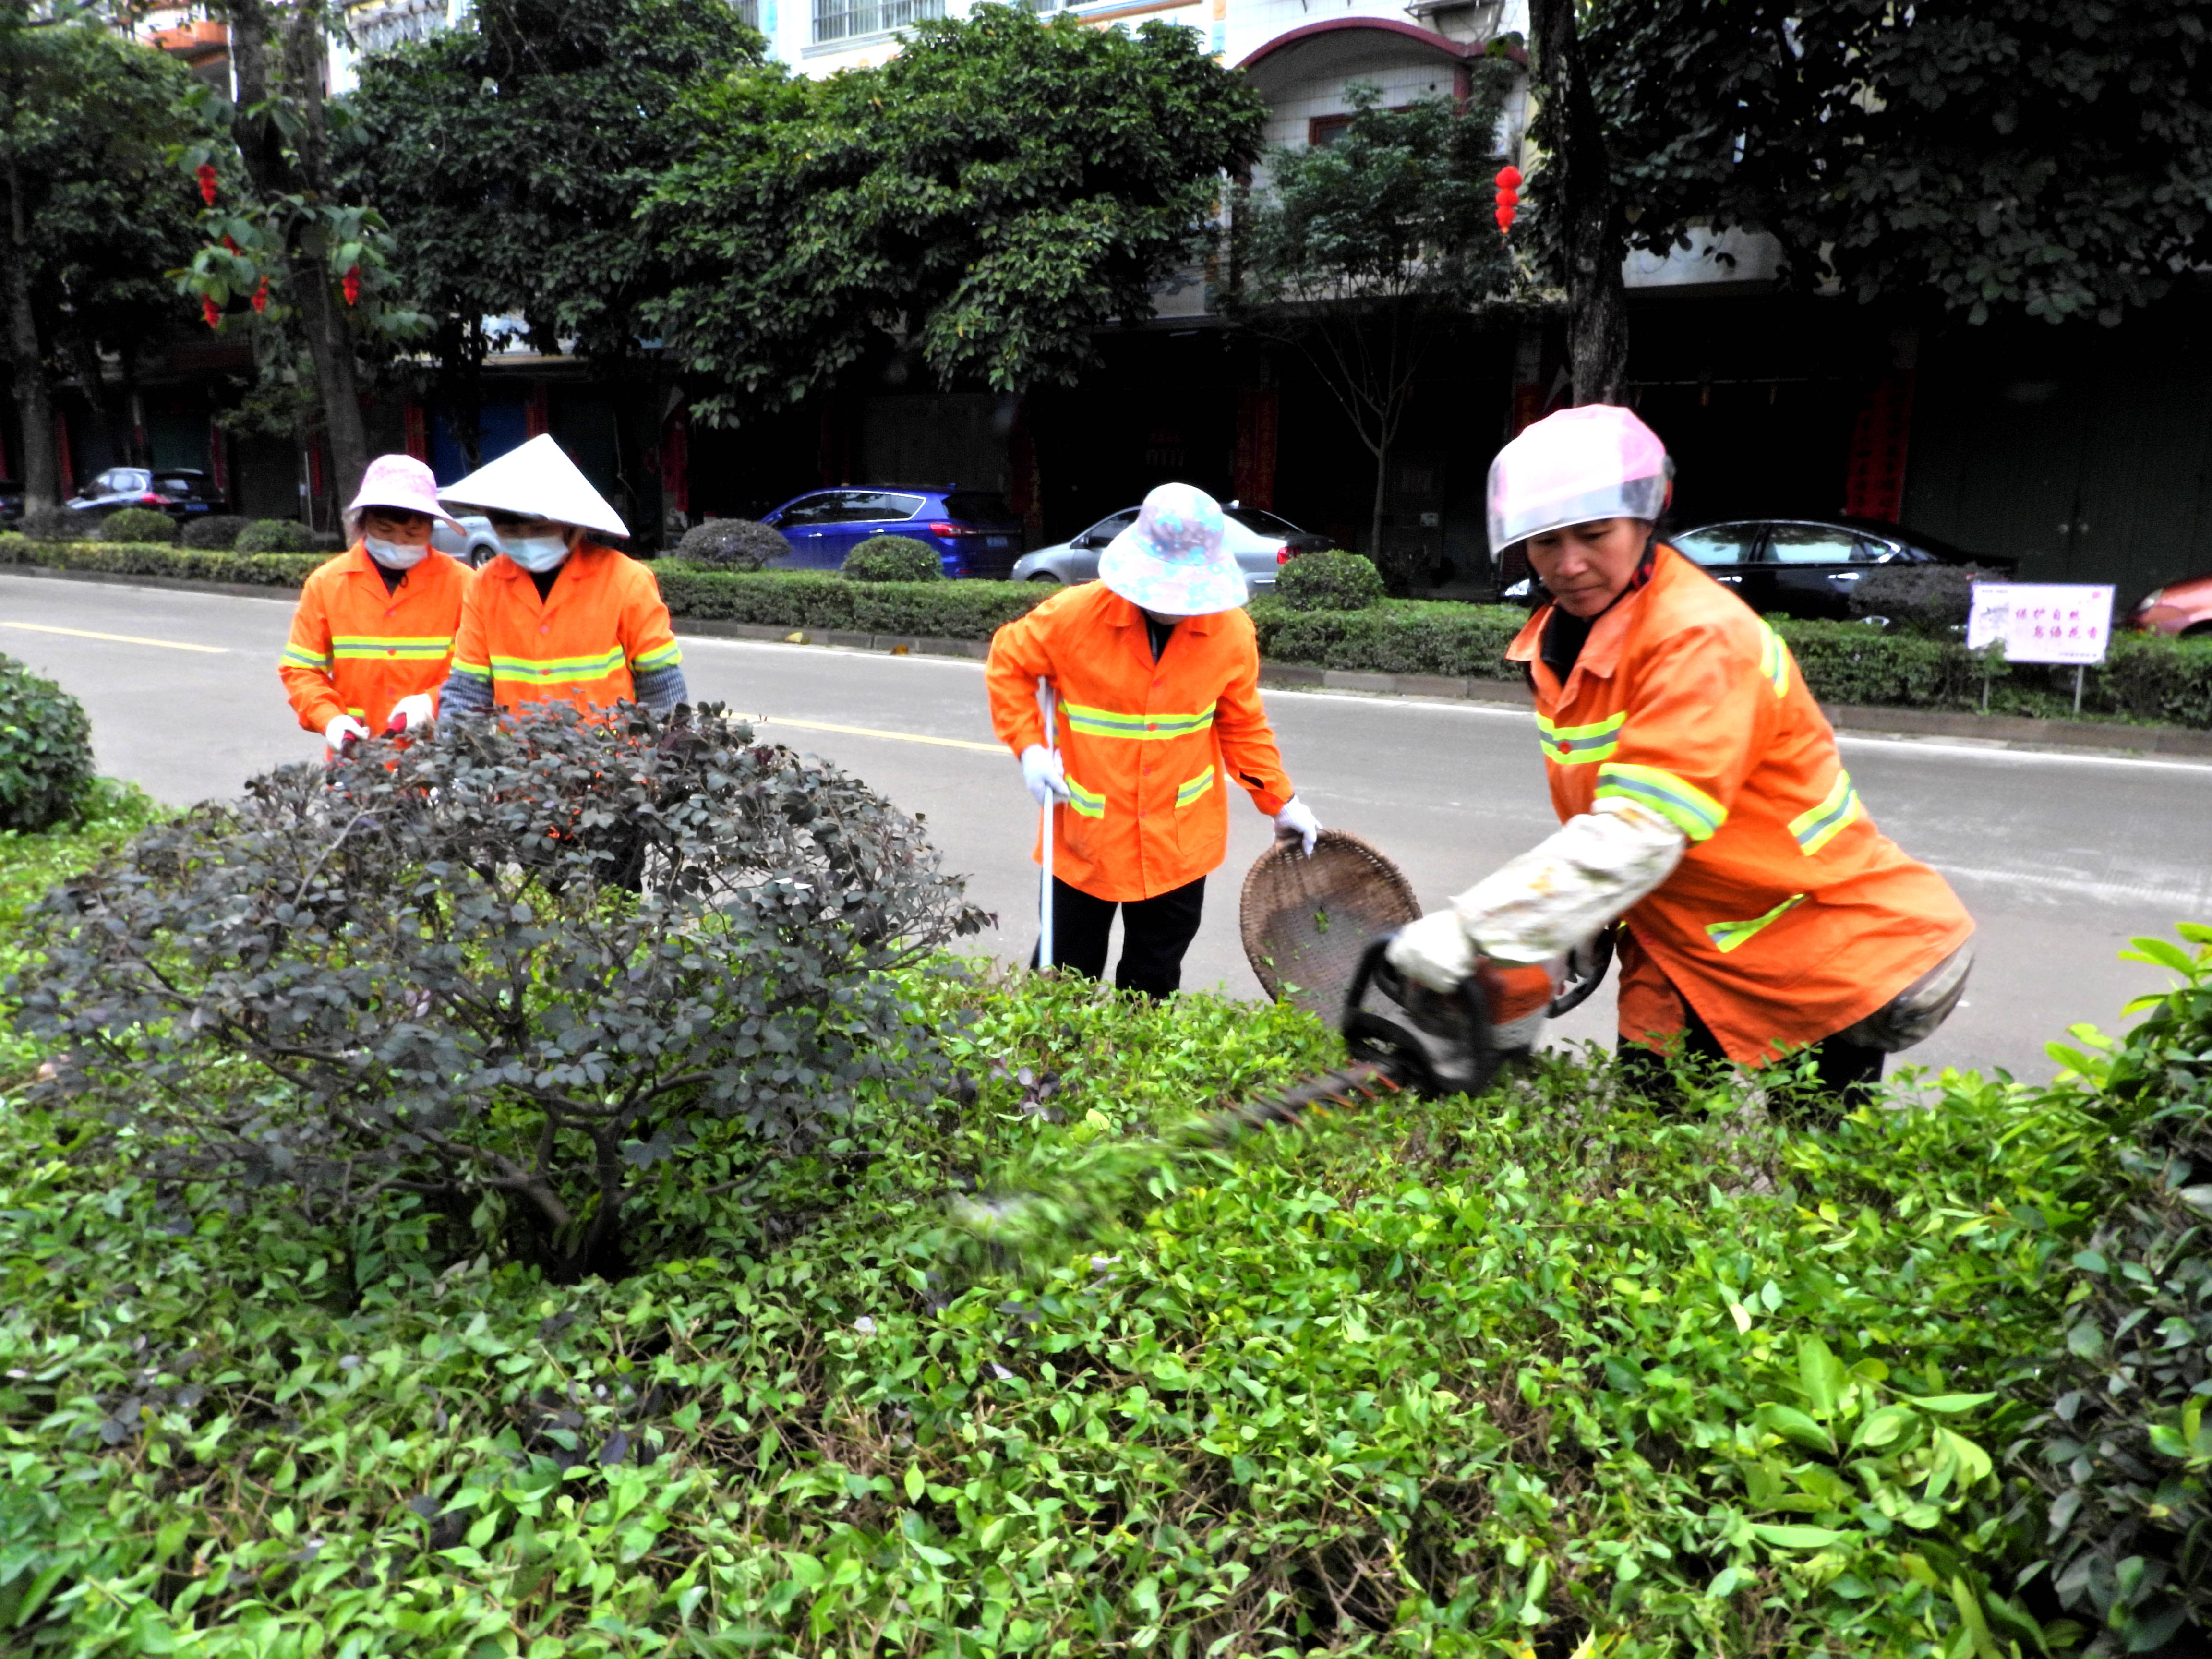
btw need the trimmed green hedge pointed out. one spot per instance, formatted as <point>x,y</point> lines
<point>1399,636</point>
<point>150,559</point>
<point>940,610</point>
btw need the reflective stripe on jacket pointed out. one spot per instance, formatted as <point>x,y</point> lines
<point>1144,743</point>
<point>355,649</point>
<point>1789,916</point>
<point>602,621</point>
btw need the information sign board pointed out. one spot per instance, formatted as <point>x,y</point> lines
<point>2042,621</point>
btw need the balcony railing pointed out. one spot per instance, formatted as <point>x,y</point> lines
<point>851,20</point>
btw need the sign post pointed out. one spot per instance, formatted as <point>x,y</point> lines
<point>2042,621</point>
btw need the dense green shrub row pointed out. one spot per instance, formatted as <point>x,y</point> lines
<point>138,524</point>
<point>892,559</point>
<point>151,559</point>
<point>804,599</point>
<point>45,750</point>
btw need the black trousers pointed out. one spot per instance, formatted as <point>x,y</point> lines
<point>1154,933</point>
<point>1847,1071</point>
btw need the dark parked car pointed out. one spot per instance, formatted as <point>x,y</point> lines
<point>182,492</point>
<point>1808,566</point>
<point>972,532</point>
<point>11,501</point>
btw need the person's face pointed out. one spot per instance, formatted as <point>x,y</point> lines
<point>392,524</point>
<point>1587,566</point>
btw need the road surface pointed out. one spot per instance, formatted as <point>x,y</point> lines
<point>2061,857</point>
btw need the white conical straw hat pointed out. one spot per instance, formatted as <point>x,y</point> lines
<point>538,480</point>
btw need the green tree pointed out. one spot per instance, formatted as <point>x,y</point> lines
<point>509,154</point>
<point>282,238</point>
<point>996,192</point>
<point>2045,158</point>
<point>94,212</point>
<point>1582,224</point>
<point>1370,252</point>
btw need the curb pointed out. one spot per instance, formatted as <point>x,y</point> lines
<point>2005,731</point>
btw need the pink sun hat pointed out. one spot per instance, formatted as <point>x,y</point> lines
<point>401,482</point>
<point>1595,462</point>
<point>1172,560</point>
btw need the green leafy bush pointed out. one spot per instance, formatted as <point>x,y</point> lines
<point>138,524</point>
<point>213,532</point>
<point>1400,636</point>
<point>2123,1452</point>
<point>809,599</point>
<point>16,548</point>
<point>1332,580</point>
<point>732,545</point>
<point>142,559</point>
<point>1932,600</point>
<point>275,535</point>
<point>892,559</point>
<point>45,750</point>
<point>427,962</point>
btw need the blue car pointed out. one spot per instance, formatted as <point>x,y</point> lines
<point>972,532</point>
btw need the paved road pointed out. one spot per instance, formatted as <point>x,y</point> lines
<point>2061,857</point>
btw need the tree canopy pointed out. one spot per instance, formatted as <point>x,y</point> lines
<point>509,154</point>
<point>2051,158</point>
<point>999,189</point>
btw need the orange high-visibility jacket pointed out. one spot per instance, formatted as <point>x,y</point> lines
<point>1790,916</point>
<point>1148,747</point>
<point>357,649</point>
<point>603,617</point>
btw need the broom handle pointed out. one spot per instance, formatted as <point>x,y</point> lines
<point>1044,886</point>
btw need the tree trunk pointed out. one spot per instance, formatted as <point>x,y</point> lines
<point>35,406</point>
<point>1579,179</point>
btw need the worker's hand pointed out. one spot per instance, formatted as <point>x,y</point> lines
<point>413,713</point>
<point>343,730</point>
<point>1434,952</point>
<point>1044,776</point>
<point>1296,822</point>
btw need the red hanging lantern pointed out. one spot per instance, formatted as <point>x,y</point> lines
<point>1509,196</point>
<point>232,246</point>
<point>205,174</point>
<point>208,310</point>
<point>1509,178</point>
<point>261,297</point>
<point>352,285</point>
<point>1505,219</point>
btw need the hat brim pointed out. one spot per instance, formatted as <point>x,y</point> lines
<point>1133,569</point>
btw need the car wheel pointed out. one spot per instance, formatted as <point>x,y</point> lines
<point>1047,578</point>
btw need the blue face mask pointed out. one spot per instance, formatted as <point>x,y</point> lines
<point>536,554</point>
<point>395,555</point>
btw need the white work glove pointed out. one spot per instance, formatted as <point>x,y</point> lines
<point>1044,775</point>
<point>342,727</point>
<point>412,713</point>
<point>1296,822</point>
<point>1435,951</point>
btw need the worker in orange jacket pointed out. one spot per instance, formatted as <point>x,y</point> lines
<point>1702,799</point>
<point>557,617</point>
<point>1156,672</point>
<point>373,637</point>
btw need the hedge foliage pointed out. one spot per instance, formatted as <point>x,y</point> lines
<point>275,536</point>
<point>807,599</point>
<point>1399,636</point>
<point>733,543</point>
<point>148,559</point>
<point>138,524</point>
<point>1329,580</point>
<point>213,531</point>
<point>891,559</point>
<point>45,750</point>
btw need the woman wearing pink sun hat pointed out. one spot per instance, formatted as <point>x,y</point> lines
<point>373,638</point>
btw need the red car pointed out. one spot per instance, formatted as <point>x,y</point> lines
<point>2184,607</point>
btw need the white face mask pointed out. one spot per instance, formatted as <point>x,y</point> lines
<point>396,556</point>
<point>536,554</point>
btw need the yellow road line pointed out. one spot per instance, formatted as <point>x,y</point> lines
<point>872,731</point>
<point>120,639</point>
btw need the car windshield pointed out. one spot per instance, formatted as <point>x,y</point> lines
<point>1266,523</point>
<point>978,507</point>
<point>177,483</point>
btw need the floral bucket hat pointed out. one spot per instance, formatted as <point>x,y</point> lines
<point>1172,560</point>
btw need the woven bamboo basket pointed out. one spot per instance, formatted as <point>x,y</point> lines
<point>1305,921</point>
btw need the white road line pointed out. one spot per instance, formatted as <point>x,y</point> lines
<point>119,639</point>
<point>874,731</point>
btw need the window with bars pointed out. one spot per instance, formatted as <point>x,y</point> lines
<point>849,20</point>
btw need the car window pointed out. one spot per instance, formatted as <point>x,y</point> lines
<point>978,507</point>
<point>855,505</point>
<point>1106,529</point>
<point>1267,523</point>
<point>1811,543</point>
<point>812,510</point>
<point>1720,544</point>
<point>177,485</point>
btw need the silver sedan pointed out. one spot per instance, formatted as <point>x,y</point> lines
<point>1262,543</point>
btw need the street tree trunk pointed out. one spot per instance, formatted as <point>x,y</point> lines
<point>1579,183</point>
<point>300,50</point>
<point>34,405</point>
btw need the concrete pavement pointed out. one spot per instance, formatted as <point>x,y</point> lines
<point>2061,857</point>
